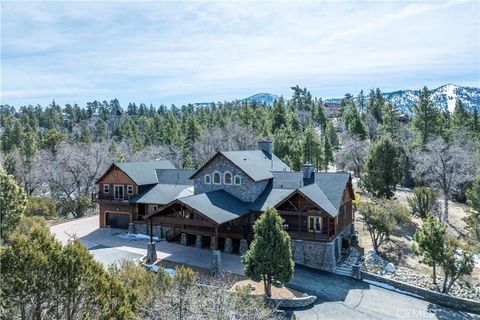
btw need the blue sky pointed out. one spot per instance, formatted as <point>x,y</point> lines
<point>180,52</point>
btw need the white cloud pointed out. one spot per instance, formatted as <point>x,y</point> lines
<point>164,52</point>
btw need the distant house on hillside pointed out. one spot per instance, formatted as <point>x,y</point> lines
<point>332,110</point>
<point>217,205</point>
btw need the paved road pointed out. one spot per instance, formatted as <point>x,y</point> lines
<point>347,298</point>
<point>338,297</point>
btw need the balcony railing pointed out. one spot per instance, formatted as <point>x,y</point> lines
<point>111,197</point>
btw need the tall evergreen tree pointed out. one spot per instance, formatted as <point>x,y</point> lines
<point>13,202</point>
<point>269,258</point>
<point>425,118</point>
<point>382,168</point>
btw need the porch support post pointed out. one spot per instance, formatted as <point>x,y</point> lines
<point>299,229</point>
<point>215,239</point>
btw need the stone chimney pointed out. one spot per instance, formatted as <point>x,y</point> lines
<point>266,147</point>
<point>308,170</point>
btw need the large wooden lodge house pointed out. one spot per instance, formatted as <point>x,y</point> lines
<point>216,205</point>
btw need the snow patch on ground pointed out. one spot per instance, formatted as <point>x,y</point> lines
<point>477,260</point>
<point>136,236</point>
<point>391,288</point>
<point>155,268</point>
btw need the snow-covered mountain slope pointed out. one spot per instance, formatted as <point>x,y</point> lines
<point>443,97</point>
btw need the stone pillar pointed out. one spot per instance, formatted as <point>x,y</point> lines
<point>198,241</point>
<point>216,262</point>
<point>228,248</point>
<point>131,228</point>
<point>243,246</point>
<point>356,271</point>
<point>330,262</point>
<point>151,253</point>
<point>183,239</point>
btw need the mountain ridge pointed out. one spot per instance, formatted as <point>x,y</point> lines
<point>444,98</point>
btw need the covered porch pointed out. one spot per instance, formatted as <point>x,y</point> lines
<point>190,226</point>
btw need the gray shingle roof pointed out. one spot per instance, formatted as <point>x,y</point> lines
<point>255,163</point>
<point>174,176</point>
<point>163,193</point>
<point>219,205</point>
<point>332,184</point>
<point>316,195</point>
<point>144,172</point>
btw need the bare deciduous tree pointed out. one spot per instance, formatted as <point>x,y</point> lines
<point>445,167</point>
<point>234,137</point>
<point>352,154</point>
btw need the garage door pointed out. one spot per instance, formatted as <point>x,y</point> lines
<point>118,220</point>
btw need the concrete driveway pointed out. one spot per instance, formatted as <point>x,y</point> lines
<point>338,297</point>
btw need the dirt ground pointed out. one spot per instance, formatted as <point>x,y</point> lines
<point>257,288</point>
<point>398,250</point>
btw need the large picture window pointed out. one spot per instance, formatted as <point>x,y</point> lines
<point>314,224</point>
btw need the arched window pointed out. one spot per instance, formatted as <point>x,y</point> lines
<point>216,178</point>
<point>237,180</point>
<point>227,178</point>
<point>207,179</point>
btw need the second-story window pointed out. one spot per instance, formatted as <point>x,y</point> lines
<point>207,179</point>
<point>216,178</point>
<point>106,188</point>
<point>227,178</point>
<point>130,189</point>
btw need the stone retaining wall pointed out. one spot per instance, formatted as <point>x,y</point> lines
<point>292,302</point>
<point>428,295</point>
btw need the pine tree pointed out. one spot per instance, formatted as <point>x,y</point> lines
<point>426,117</point>
<point>332,135</point>
<point>423,202</point>
<point>279,115</point>
<point>13,202</point>
<point>382,168</point>
<point>460,116</point>
<point>312,147</point>
<point>327,153</point>
<point>269,258</point>
<point>100,130</point>
<point>430,240</point>
<point>376,104</point>
<point>390,119</point>
<point>52,139</point>
<point>361,102</point>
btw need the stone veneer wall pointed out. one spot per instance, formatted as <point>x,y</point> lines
<point>319,255</point>
<point>248,191</point>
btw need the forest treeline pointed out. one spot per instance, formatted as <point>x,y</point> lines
<point>56,152</point>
